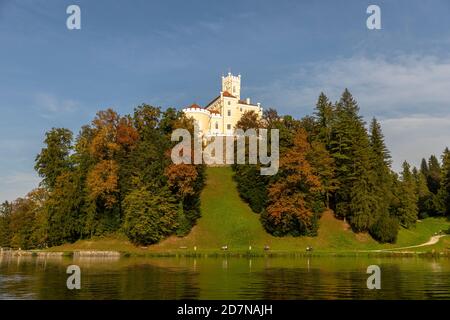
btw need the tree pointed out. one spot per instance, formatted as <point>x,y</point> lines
<point>5,220</point>
<point>324,114</point>
<point>408,211</point>
<point>381,167</point>
<point>324,167</point>
<point>182,180</point>
<point>445,181</point>
<point>292,198</point>
<point>249,120</point>
<point>149,215</point>
<point>425,204</point>
<point>25,220</point>
<point>356,198</point>
<point>251,185</point>
<point>66,211</point>
<point>385,229</point>
<point>434,174</point>
<point>54,159</point>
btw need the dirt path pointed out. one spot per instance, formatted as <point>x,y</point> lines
<point>433,240</point>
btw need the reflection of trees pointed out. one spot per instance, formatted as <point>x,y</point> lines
<point>223,278</point>
<point>123,279</point>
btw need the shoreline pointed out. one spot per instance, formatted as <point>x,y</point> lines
<point>221,254</point>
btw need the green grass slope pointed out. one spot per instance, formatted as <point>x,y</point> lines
<point>227,220</point>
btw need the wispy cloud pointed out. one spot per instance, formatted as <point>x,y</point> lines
<point>383,86</point>
<point>415,137</point>
<point>50,105</point>
<point>410,94</point>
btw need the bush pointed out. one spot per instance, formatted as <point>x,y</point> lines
<point>385,230</point>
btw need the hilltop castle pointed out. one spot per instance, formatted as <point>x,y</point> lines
<point>220,116</point>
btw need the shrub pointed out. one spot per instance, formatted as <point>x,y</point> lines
<point>385,229</point>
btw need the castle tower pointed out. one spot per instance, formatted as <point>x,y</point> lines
<point>232,84</point>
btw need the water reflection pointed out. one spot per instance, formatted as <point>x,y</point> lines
<point>223,278</point>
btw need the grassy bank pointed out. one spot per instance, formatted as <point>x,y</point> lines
<point>227,220</point>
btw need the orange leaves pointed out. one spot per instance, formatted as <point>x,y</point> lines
<point>127,136</point>
<point>290,205</point>
<point>112,134</point>
<point>290,195</point>
<point>182,177</point>
<point>296,164</point>
<point>102,182</point>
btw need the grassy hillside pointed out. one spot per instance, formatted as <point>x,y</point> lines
<point>227,220</point>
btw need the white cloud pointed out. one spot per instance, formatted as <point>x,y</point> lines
<point>415,137</point>
<point>50,105</point>
<point>382,86</point>
<point>409,94</point>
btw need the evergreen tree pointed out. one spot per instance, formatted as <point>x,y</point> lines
<point>356,198</point>
<point>434,174</point>
<point>445,181</point>
<point>381,162</point>
<point>324,114</point>
<point>425,197</point>
<point>408,211</point>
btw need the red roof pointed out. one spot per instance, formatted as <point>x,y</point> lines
<point>195,106</point>
<point>227,94</point>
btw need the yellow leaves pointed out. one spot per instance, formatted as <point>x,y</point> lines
<point>102,182</point>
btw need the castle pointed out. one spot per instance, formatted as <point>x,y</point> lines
<point>220,116</point>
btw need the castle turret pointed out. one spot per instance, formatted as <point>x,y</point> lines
<point>232,85</point>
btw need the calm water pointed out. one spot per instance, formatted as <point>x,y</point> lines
<point>224,278</point>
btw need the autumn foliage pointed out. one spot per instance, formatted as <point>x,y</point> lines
<point>291,194</point>
<point>115,177</point>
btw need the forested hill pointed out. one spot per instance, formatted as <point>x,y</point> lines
<point>116,178</point>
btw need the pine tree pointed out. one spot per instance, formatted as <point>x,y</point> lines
<point>381,163</point>
<point>445,181</point>
<point>425,197</point>
<point>356,198</point>
<point>323,115</point>
<point>434,174</point>
<point>408,211</point>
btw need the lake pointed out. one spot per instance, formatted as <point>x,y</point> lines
<point>224,278</point>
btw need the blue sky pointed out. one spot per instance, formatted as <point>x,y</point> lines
<point>172,53</point>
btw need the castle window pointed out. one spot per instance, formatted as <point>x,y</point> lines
<point>229,113</point>
<point>217,126</point>
<point>234,89</point>
<point>229,102</point>
<point>241,109</point>
<point>229,126</point>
